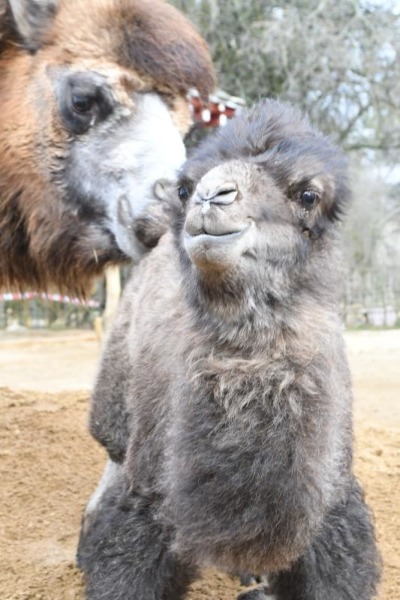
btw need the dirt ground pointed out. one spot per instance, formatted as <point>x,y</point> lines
<point>49,465</point>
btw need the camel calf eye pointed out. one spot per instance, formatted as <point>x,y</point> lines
<point>183,193</point>
<point>308,198</point>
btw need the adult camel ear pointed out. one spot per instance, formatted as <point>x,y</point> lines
<point>32,19</point>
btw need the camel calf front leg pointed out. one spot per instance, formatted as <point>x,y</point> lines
<point>127,552</point>
<point>111,475</point>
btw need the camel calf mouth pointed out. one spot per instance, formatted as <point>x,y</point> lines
<point>217,238</point>
<point>219,250</point>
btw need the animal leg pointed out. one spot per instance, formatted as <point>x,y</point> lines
<point>342,563</point>
<point>112,473</point>
<point>127,553</point>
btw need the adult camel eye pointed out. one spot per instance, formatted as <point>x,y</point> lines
<point>308,199</point>
<point>82,103</point>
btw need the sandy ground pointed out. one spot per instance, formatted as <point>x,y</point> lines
<point>49,465</point>
<point>48,362</point>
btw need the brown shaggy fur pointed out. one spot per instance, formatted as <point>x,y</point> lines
<point>152,47</point>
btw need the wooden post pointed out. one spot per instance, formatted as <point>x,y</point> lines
<point>113,293</point>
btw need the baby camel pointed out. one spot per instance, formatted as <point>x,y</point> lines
<point>237,390</point>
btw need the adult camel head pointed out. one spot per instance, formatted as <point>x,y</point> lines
<point>92,113</point>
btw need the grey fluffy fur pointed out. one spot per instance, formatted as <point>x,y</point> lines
<point>234,391</point>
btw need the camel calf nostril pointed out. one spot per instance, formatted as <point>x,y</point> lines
<point>224,194</point>
<point>224,197</point>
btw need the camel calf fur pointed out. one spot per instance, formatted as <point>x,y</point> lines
<point>232,394</point>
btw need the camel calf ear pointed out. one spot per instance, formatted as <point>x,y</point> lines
<point>32,19</point>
